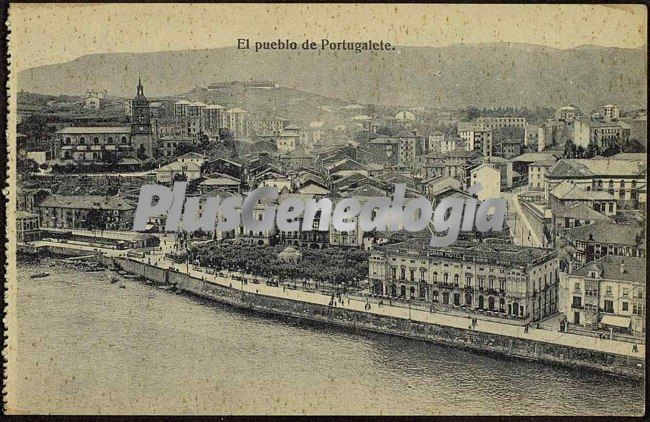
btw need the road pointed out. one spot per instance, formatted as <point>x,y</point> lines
<point>543,335</point>
<point>158,259</point>
<point>521,230</point>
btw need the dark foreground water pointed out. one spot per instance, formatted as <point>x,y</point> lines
<point>88,346</point>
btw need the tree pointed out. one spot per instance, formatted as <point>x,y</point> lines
<point>96,219</point>
<point>179,177</point>
<point>592,151</point>
<point>569,150</point>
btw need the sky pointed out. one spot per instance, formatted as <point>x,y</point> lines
<point>54,33</point>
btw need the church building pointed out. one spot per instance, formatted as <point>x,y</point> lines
<point>109,143</point>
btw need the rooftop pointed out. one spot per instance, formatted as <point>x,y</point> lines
<point>87,202</point>
<point>606,232</point>
<point>609,267</point>
<point>599,168</point>
<point>569,191</point>
<point>580,212</point>
<point>503,253</point>
<point>95,129</point>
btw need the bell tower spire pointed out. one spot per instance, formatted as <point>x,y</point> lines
<point>140,88</point>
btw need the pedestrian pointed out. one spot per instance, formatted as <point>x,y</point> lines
<point>635,348</point>
<point>526,329</point>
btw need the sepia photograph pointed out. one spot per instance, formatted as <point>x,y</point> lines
<point>325,209</point>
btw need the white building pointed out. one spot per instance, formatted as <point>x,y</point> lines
<point>490,180</point>
<point>610,112</point>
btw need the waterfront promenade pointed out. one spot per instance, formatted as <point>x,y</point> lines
<point>159,260</point>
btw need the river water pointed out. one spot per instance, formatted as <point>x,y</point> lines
<point>88,346</point>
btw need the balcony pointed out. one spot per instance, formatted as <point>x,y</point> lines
<point>577,306</point>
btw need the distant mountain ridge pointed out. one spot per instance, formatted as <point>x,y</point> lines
<point>485,75</point>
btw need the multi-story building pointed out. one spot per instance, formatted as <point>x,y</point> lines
<point>607,294</point>
<point>476,137</point>
<point>452,164</point>
<point>214,118</point>
<point>236,122</point>
<point>610,112</point>
<point>602,134</point>
<point>382,151</point>
<point>537,173</point>
<point>169,145</point>
<point>285,141</point>
<point>86,212</point>
<point>531,135</point>
<point>509,148</point>
<point>566,194</point>
<point>498,279</point>
<point>566,114</point>
<point>87,144</point>
<point>593,241</point>
<point>575,215</point>
<point>28,228</point>
<point>501,122</point>
<point>624,179</point>
<point>489,178</point>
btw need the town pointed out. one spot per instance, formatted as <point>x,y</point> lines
<point>570,259</point>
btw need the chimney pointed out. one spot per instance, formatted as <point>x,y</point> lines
<point>622,267</point>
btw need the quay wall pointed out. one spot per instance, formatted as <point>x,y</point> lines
<point>456,337</point>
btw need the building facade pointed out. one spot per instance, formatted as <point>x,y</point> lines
<point>501,280</point>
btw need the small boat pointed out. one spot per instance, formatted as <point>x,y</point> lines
<point>122,286</point>
<point>113,280</point>
<point>40,275</point>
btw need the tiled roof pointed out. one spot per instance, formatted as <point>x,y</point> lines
<point>87,202</point>
<point>94,129</point>
<point>569,191</point>
<point>367,190</point>
<point>609,267</point>
<point>581,212</point>
<point>178,166</point>
<point>605,232</point>
<point>595,168</point>
<point>467,251</point>
<point>532,157</point>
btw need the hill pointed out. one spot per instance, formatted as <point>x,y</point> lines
<point>485,75</point>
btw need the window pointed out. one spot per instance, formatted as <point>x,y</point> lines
<point>609,290</point>
<point>96,140</point>
<point>637,309</point>
<point>609,306</point>
<point>625,291</point>
<point>82,140</point>
<point>446,278</point>
<point>435,277</point>
<point>123,139</point>
<point>67,140</point>
<point>456,279</point>
<point>468,281</point>
<point>577,302</point>
<point>577,286</point>
<point>624,306</point>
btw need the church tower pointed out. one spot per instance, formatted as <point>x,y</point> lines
<point>141,134</point>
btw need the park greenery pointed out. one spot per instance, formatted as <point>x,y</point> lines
<point>331,265</point>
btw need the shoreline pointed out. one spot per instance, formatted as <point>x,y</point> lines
<point>389,320</point>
